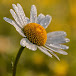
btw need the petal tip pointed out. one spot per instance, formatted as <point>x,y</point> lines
<point>66,53</point>
<point>67,40</point>
<point>13,4</point>
<point>4,18</point>
<point>67,47</point>
<point>10,10</point>
<point>18,5</point>
<point>33,7</point>
<point>49,16</point>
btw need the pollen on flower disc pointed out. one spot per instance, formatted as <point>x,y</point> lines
<point>35,33</point>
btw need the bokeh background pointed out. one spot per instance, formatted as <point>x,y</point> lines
<point>36,63</point>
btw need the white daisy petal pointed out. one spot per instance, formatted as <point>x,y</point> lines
<point>59,46</point>
<point>40,18</point>
<point>33,14</point>
<point>17,12</point>
<point>57,40</point>
<point>9,21</point>
<point>21,9</point>
<point>25,42</point>
<point>56,34</point>
<point>56,50</point>
<point>50,52</point>
<point>54,54</point>
<point>15,17</point>
<point>67,40</point>
<point>28,20</point>
<point>22,14</point>
<point>46,21</point>
<point>15,25</point>
<point>45,51</point>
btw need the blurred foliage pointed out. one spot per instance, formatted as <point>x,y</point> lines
<point>36,63</point>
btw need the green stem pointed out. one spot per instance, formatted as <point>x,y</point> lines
<point>17,59</point>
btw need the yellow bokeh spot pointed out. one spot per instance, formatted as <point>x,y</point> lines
<point>61,68</point>
<point>7,2</point>
<point>45,3</point>
<point>35,33</point>
<point>72,4</point>
<point>37,58</point>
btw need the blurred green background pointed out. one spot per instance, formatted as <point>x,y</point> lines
<point>36,63</point>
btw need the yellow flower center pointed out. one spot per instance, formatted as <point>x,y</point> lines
<point>35,33</point>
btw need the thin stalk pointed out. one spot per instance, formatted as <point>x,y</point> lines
<point>16,60</point>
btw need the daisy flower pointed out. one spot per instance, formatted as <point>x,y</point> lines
<point>34,34</point>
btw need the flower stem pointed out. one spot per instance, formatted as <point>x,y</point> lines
<point>16,60</point>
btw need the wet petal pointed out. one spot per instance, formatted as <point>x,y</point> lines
<point>56,50</point>
<point>46,21</point>
<point>22,14</point>
<point>15,25</point>
<point>57,40</point>
<point>33,14</point>
<point>40,18</point>
<point>54,54</point>
<point>15,17</point>
<point>51,52</point>
<point>58,46</point>
<point>18,13</point>
<point>45,51</point>
<point>56,34</point>
<point>25,42</point>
